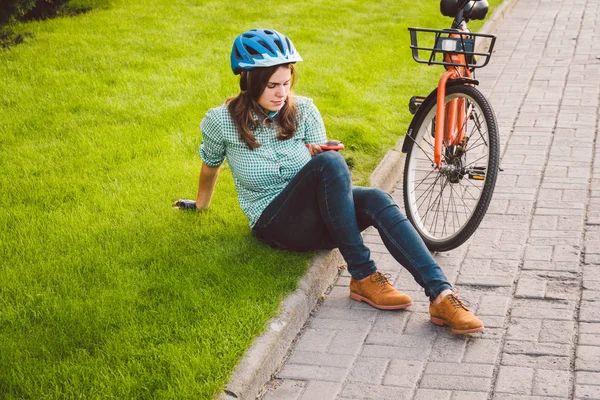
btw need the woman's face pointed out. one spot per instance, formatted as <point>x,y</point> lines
<point>277,89</point>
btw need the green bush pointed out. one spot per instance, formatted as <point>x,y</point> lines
<point>43,9</point>
<point>13,9</point>
<point>26,10</point>
<point>73,7</point>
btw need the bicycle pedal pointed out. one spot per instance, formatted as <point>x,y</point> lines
<point>414,103</point>
<point>477,173</point>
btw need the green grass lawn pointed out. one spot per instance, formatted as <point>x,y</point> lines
<point>105,291</point>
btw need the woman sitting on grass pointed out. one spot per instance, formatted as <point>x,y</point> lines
<point>299,197</point>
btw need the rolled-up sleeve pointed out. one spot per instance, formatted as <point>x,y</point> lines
<point>212,149</point>
<point>313,123</point>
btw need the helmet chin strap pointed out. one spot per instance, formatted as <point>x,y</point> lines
<point>270,116</point>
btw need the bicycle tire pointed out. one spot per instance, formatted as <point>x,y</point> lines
<point>464,172</point>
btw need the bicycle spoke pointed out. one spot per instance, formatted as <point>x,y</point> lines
<point>467,112</point>
<point>455,220</point>
<point>428,205</point>
<point>471,148</point>
<point>447,212</point>
<point>427,177</point>
<point>456,216</point>
<point>422,150</point>
<point>435,215</point>
<point>469,193</point>
<point>473,162</point>
<point>437,199</point>
<point>477,137</point>
<point>428,191</point>
<point>439,211</point>
<point>441,203</point>
<point>465,206</point>
<point>478,123</point>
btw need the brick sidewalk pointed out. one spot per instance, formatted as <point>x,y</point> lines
<point>531,271</point>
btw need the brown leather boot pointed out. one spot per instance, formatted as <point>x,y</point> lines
<point>377,291</point>
<point>452,311</point>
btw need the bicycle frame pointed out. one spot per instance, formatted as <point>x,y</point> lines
<point>458,49</point>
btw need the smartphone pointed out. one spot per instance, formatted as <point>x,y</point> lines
<point>331,145</point>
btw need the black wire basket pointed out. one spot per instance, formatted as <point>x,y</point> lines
<point>448,42</point>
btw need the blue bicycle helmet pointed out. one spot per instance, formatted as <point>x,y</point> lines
<point>262,48</point>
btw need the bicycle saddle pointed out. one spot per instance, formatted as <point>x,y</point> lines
<point>472,9</point>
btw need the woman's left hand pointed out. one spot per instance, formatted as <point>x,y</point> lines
<point>314,149</point>
<point>185,204</point>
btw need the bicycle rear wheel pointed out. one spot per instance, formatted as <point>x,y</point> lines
<point>447,205</point>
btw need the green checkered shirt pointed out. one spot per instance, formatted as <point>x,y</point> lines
<point>260,174</point>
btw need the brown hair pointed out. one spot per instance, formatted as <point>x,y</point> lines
<point>242,107</point>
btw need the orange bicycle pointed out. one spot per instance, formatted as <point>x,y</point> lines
<point>452,145</point>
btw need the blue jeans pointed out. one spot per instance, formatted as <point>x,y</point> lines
<point>320,209</point>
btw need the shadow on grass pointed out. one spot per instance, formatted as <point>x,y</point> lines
<point>9,39</point>
<point>61,8</point>
<point>43,10</point>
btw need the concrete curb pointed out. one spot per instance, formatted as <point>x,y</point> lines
<point>269,350</point>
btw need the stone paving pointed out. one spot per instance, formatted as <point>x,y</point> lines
<point>531,271</point>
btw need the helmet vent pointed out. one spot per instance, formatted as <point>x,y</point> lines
<point>252,51</point>
<point>279,45</point>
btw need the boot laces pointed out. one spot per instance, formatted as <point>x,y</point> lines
<point>457,302</point>
<point>380,278</point>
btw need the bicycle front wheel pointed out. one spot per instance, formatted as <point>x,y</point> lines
<point>447,205</point>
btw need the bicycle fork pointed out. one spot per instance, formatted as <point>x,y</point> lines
<point>455,131</point>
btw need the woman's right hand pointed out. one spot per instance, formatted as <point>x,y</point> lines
<point>314,149</point>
